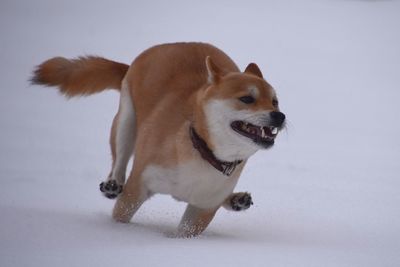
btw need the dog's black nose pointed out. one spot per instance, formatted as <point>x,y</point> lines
<point>277,118</point>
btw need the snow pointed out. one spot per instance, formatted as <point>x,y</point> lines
<point>326,195</point>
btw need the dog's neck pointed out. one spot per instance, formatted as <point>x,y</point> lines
<point>227,168</point>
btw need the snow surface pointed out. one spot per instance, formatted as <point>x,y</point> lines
<point>328,193</point>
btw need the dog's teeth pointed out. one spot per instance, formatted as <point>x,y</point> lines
<point>262,132</point>
<point>274,130</point>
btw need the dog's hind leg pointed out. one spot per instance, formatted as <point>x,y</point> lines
<point>122,141</point>
<point>238,201</point>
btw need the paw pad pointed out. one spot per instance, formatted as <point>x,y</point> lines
<point>241,201</point>
<point>111,189</point>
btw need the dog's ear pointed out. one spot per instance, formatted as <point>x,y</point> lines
<point>252,68</point>
<point>214,72</point>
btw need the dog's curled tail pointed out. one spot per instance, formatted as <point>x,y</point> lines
<point>80,76</point>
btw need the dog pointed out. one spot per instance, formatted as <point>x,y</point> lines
<point>189,116</point>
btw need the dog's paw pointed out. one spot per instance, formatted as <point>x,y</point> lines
<point>110,189</point>
<point>241,201</point>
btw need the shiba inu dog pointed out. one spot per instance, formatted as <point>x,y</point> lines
<point>189,116</point>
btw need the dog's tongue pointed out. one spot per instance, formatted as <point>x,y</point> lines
<point>267,131</point>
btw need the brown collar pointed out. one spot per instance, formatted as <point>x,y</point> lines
<point>227,168</point>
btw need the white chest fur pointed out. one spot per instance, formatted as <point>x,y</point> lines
<point>195,182</point>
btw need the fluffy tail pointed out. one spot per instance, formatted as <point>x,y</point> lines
<point>81,76</point>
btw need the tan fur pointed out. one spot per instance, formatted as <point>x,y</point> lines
<point>81,76</point>
<point>150,79</point>
<point>131,200</point>
<point>169,85</point>
<point>195,221</point>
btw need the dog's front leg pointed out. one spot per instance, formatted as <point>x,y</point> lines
<point>131,199</point>
<point>238,201</point>
<point>195,221</point>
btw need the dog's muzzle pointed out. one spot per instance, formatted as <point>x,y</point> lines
<point>261,135</point>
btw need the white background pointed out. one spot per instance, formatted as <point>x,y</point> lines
<point>327,194</point>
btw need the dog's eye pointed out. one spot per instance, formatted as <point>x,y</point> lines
<point>275,102</point>
<point>248,99</point>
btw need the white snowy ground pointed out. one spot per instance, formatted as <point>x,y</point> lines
<point>328,193</point>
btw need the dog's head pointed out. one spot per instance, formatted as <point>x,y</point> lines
<point>241,112</point>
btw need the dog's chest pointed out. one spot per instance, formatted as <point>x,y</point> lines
<point>195,182</point>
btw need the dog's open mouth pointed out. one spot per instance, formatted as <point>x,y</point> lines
<point>262,135</point>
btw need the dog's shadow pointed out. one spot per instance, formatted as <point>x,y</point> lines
<point>169,230</point>
<point>89,227</point>
<point>93,228</point>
